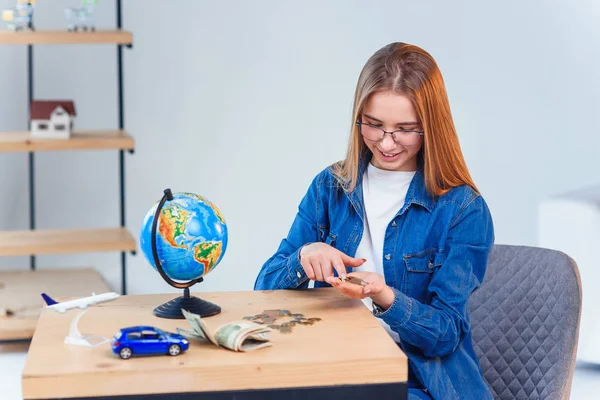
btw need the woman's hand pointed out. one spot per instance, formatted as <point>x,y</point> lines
<point>376,289</point>
<point>320,259</point>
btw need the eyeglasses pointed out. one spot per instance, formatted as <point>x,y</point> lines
<point>403,137</point>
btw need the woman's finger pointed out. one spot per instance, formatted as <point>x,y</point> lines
<point>375,287</point>
<point>333,281</point>
<point>327,269</point>
<point>351,290</point>
<point>308,269</point>
<point>318,268</point>
<point>339,266</point>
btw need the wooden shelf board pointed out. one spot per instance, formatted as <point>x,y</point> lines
<point>33,242</point>
<point>20,292</point>
<point>79,140</point>
<point>65,37</point>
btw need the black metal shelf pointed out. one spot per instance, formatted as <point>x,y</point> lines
<point>120,39</point>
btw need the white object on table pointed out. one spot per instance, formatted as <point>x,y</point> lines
<point>76,338</point>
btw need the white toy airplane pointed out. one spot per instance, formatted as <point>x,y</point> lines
<point>82,303</point>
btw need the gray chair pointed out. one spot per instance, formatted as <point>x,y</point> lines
<point>525,322</point>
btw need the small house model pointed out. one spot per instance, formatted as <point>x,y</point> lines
<point>52,119</point>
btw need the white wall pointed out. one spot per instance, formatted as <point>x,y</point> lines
<point>244,102</point>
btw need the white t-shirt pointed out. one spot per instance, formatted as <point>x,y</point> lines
<point>384,193</point>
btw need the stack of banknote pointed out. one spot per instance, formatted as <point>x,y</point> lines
<point>237,335</point>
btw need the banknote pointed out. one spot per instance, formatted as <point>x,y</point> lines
<point>237,335</point>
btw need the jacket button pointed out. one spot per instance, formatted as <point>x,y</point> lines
<point>394,223</point>
<point>298,274</point>
<point>388,256</point>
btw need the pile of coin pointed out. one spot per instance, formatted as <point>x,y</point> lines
<point>268,317</point>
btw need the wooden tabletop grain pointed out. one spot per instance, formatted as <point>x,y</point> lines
<point>347,347</point>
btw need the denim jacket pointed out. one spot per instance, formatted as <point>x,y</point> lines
<point>435,256</point>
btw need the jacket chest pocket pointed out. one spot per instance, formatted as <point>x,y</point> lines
<point>420,269</point>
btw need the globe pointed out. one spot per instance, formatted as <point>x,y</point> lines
<point>191,236</point>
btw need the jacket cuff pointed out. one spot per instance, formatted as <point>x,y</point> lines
<point>399,312</point>
<point>296,275</point>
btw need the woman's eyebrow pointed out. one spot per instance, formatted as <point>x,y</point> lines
<point>399,123</point>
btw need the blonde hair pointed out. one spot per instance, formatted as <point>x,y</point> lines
<point>410,71</point>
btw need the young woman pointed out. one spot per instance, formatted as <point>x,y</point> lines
<point>402,213</point>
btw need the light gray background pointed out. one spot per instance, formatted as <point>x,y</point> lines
<point>244,102</point>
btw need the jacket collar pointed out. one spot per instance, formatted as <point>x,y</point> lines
<point>416,194</point>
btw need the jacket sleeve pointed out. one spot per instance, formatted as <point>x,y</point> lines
<point>439,327</point>
<point>283,270</point>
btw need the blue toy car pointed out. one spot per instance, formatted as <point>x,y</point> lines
<point>144,340</point>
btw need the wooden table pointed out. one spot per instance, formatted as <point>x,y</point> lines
<point>345,355</point>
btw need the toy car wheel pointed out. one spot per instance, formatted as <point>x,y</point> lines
<point>125,353</point>
<point>174,349</point>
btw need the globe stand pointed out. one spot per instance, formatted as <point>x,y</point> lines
<point>172,308</point>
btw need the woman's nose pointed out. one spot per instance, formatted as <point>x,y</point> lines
<point>387,143</point>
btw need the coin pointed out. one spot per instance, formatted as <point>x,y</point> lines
<point>269,317</point>
<point>354,280</point>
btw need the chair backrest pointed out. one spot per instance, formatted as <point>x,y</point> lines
<point>525,322</point>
